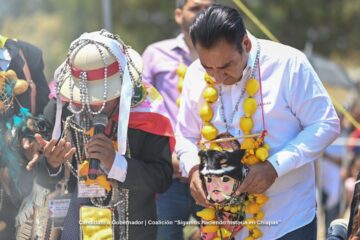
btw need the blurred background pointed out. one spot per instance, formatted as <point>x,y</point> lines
<point>329,26</point>
<point>324,30</point>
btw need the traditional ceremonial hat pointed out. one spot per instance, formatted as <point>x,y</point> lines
<point>95,69</point>
<point>99,67</point>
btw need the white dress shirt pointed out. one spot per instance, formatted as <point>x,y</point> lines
<point>300,120</point>
<point>118,170</point>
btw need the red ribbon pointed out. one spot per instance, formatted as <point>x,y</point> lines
<point>96,74</point>
<point>262,102</point>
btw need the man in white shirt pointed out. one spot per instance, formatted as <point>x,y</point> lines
<point>296,112</point>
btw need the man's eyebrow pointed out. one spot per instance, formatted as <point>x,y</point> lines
<point>204,65</point>
<point>222,67</point>
<point>225,65</point>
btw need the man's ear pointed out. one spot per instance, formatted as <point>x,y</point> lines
<point>178,16</point>
<point>247,43</point>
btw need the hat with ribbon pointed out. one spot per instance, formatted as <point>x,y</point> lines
<point>99,67</point>
<point>95,68</point>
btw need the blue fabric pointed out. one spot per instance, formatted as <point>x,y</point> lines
<point>308,232</point>
<point>71,224</point>
<point>175,204</point>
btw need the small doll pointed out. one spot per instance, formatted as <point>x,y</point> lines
<point>221,173</point>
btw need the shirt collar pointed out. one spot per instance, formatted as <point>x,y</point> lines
<point>254,47</point>
<point>181,44</point>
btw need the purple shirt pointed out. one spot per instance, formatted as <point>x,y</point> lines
<point>161,60</point>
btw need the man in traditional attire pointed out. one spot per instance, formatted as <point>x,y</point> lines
<point>101,79</point>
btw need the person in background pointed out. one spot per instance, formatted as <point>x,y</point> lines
<point>329,177</point>
<point>330,181</point>
<point>350,179</point>
<point>165,64</point>
<point>19,62</point>
<point>27,62</point>
<point>352,187</point>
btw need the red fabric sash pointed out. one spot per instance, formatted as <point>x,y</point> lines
<point>150,116</point>
<point>153,123</point>
<point>96,74</point>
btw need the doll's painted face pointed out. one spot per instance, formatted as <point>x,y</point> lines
<point>219,188</point>
<point>221,172</point>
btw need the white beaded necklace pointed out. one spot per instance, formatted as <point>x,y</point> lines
<point>222,105</point>
<point>84,96</point>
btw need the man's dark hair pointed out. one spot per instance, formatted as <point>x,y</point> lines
<point>180,3</point>
<point>216,23</point>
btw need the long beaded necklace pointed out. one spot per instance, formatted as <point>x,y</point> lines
<point>256,150</point>
<point>222,108</point>
<point>84,95</point>
<point>243,91</point>
<point>119,197</point>
<point>136,81</point>
<point>180,71</point>
<point>79,131</point>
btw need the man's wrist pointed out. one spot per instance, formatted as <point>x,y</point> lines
<point>192,171</point>
<point>270,166</point>
<point>54,172</point>
<point>50,166</point>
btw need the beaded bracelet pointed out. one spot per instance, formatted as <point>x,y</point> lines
<point>55,174</point>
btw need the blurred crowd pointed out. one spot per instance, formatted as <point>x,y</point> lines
<point>339,166</point>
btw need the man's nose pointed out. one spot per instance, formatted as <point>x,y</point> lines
<point>218,75</point>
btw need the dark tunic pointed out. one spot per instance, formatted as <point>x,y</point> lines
<point>149,172</point>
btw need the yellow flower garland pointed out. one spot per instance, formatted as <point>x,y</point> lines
<point>180,71</point>
<point>256,152</point>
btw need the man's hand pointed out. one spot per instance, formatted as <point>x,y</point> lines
<point>196,187</point>
<point>31,151</point>
<point>101,147</point>
<point>55,155</point>
<point>261,176</point>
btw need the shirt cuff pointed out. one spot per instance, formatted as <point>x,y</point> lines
<point>119,168</point>
<point>187,162</point>
<point>283,162</point>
